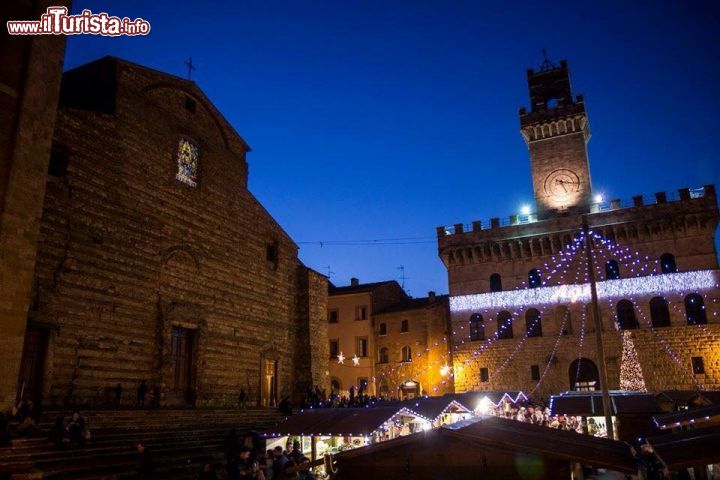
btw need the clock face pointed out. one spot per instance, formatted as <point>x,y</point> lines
<point>562,184</point>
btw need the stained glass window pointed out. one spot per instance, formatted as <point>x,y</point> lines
<point>187,161</point>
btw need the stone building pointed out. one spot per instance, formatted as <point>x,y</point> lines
<point>520,288</point>
<point>350,331</point>
<point>413,348</point>
<point>156,262</point>
<point>30,71</point>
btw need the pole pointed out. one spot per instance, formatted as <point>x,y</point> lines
<point>598,332</point>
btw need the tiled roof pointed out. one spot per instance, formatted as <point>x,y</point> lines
<point>413,304</point>
<point>361,288</point>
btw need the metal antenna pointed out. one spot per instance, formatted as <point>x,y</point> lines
<point>190,66</point>
<point>330,273</point>
<point>547,64</point>
<point>402,276</point>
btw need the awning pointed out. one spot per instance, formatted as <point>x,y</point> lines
<point>589,404</point>
<point>688,448</point>
<point>513,436</point>
<point>692,416</point>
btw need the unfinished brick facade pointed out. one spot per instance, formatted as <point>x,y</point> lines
<point>141,276</point>
<point>648,241</point>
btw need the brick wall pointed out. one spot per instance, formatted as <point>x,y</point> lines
<point>128,252</point>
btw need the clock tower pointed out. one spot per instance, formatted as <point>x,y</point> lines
<point>556,131</point>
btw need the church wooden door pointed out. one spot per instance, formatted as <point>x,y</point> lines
<point>32,366</point>
<point>182,363</point>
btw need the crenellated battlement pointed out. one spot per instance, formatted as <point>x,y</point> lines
<point>524,236</point>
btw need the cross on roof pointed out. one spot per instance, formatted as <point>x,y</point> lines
<point>190,66</point>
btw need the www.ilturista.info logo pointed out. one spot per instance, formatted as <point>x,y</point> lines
<point>56,21</point>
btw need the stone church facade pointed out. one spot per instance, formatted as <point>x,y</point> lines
<point>520,288</point>
<point>155,261</point>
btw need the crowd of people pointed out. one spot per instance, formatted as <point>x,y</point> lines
<point>317,398</point>
<point>540,415</point>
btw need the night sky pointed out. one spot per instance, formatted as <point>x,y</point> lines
<point>384,119</point>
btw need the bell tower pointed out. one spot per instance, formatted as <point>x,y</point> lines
<point>556,131</point>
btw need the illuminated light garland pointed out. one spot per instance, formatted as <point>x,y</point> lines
<point>668,282</point>
<point>581,342</point>
<point>552,356</point>
<point>631,375</point>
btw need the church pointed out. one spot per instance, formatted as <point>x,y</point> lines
<point>156,263</point>
<point>521,287</point>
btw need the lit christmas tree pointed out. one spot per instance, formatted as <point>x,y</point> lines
<point>631,375</point>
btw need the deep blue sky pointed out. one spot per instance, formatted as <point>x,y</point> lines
<point>384,119</point>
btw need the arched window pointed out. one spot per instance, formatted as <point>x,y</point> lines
<point>667,263</point>
<point>533,323</point>
<point>383,356</point>
<point>626,315</point>
<point>534,278</point>
<point>695,309</point>
<point>406,354</point>
<point>659,312</point>
<point>504,325</point>
<point>495,283</point>
<point>382,329</point>
<point>187,162</point>
<point>584,375</point>
<point>612,270</point>
<point>404,327</point>
<point>477,327</point>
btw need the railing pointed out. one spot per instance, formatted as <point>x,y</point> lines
<point>602,206</point>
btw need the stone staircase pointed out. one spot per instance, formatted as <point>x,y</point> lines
<point>181,441</point>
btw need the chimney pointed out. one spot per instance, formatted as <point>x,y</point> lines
<point>354,282</point>
<point>431,296</point>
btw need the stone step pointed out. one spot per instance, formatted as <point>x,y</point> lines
<point>181,440</point>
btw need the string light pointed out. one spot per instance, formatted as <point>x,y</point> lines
<point>631,375</point>
<point>668,282</point>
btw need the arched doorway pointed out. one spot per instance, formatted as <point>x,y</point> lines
<point>335,385</point>
<point>584,376</point>
<point>409,390</point>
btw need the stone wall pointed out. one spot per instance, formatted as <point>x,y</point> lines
<point>128,252</point>
<point>30,72</point>
<point>428,339</point>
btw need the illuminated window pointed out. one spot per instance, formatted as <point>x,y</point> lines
<point>361,346</point>
<point>187,161</point>
<point>406,354</point>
